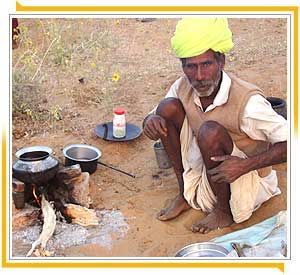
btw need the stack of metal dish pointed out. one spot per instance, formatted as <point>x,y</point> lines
<point>202,250</point>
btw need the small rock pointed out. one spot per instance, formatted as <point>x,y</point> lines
<point>25,217</point>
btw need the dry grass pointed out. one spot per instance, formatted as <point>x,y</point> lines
<point>67,73</point>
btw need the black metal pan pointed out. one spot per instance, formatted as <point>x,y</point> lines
<point>87,157</point>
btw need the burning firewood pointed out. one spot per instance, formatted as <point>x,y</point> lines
<point>47,232</point>
<point>81,215</point>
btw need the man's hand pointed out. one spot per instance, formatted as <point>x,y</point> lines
<point>232,167</point>
<point>155,127</point>
<point>228,170</point>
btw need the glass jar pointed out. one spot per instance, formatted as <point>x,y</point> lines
<point>119,123</point>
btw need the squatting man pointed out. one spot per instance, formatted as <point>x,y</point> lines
<point>221,134</point>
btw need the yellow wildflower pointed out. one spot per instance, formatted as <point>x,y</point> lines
<point>116,77</point>
<point>55,113</point>
<point>28,112</point>
<point>94,65</point>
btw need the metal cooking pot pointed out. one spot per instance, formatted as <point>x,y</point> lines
<point>87,157</point>
<point>35,165</point>
<point>206,249</point>
<point>278,105</point>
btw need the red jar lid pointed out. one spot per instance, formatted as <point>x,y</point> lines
<point>119,111</point>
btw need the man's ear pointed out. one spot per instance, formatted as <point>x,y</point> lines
<point>222,61</point>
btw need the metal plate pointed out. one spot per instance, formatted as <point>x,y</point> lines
<point>202,250</point>
<point>132,132</point>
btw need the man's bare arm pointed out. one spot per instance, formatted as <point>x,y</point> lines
<point>232,167</point>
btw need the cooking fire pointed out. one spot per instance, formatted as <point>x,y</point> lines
<point>38,180</point>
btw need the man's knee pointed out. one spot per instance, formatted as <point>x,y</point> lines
<point>170,108</point>
<point>210,131</point>
<point>213,135</point>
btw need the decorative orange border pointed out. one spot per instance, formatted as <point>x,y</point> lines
<point>144,264</point>
<point>20,7</point>
<point>161,263</point>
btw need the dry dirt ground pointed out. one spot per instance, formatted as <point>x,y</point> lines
<point>51,107</point>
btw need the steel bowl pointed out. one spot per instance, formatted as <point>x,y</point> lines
<point>85,155</point>
<point>206,249</point>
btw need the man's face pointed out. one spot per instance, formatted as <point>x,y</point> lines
<point>204,72</point>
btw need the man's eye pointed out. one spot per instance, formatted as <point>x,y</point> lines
<point>191,66</point>
<point>206,64</point>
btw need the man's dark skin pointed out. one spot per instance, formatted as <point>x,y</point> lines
<point>205,74</point>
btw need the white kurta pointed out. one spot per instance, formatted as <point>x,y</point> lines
<point>259,122</point>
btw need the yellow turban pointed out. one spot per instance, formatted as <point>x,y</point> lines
<point>194,36</point>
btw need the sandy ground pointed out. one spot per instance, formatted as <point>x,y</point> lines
<point>141,55</point>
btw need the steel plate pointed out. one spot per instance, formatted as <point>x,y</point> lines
<point>132,132</point>
<point>202,250</point>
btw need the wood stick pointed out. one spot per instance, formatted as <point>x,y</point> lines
<point>48,226</point>
<point>81,215</point>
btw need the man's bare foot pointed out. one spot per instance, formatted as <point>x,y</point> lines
<point>177,206</point>
<point>214,220</point>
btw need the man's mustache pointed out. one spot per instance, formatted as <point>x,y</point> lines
<point>201,83</point>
